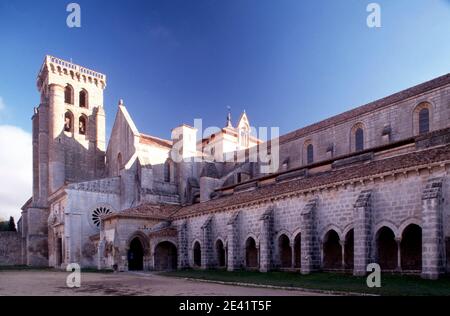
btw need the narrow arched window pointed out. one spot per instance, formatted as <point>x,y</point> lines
<point>244,137</point>
<point>310,154</point>
<point>424,121</point>
<point>68,94</point>
<point>119,163</point>
<point>82,123</point>
<point>68,122</point>
<point>167,171</point>
<point>359,139</point>
<point>83,99</point>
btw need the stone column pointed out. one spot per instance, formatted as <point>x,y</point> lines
<point>100,252</point>
<point>265,240</point>
<point>398,241</point>
<point>234,261</point>
<point>43,140</point>
<point>56,127</point>
<point>207,244</point>
<point>362,232</point>
<point>342,243</point>
<point>183,259</point>
<point>292,245</point>
<point>310,252</point>
<point>433,243</point>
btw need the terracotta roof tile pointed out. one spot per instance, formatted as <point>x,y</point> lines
<point>152,140</point>
<point>148,210</point>
<point>363,170</point>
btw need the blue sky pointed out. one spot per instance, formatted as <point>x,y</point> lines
<point>288,63</point>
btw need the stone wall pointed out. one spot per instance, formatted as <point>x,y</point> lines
<point>10,248</point>
<point>399,117</point>
<point>393,201</point>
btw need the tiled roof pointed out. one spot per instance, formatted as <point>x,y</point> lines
<point>165,232</point>
<point>375,105</point>
<point>152,140</point>
<point>409,160</point>
<point>149,210</point>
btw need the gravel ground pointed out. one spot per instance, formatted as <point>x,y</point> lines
<point>42,283</point>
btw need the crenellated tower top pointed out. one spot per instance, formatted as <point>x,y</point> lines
<point>69,71</point>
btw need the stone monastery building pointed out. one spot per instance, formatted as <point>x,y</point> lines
<point>368,185</point>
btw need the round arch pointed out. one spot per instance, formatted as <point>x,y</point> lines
<point>220,252</point>
<point>356,128</point>
<point>328,228</point>
<point>251,252</point>
<point>406,223</point>
<point>197,253</point>
<point>411,248</point>
<point>415,115</point>
<point>165,255</point>
<point>68,94</point>
<point>138,246</point>
<point>388,224</point>
<point>386,248</point>
<point>332,250</point>
<point>297,241</point>
<point>284,250</point>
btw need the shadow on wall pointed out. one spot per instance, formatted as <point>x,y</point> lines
<point>10,248</point>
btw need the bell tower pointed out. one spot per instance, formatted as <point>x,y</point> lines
<point>68,127</point>
<point>68,144</point>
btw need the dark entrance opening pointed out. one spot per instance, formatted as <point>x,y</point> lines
<point>348,250</point>
<point>251,253</point>
<point>411,248</point>
<point>298,251</point>
<point>165,256</point>
<point>386,249</point>
<point>135,255</point>
<point>220,251</point>
<point>59,252</point>
<point>197,254</point>
<point>285,251</point>
<point>332,251</point>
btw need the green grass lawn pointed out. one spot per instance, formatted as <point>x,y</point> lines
<point>28,268</point>
<point>390,284</point>
<point>24,268</point>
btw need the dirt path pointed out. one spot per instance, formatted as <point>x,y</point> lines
<point>43,283</point>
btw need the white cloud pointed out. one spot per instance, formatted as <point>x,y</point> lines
<point>15,170</point>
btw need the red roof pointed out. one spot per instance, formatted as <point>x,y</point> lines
<point>373,168</point>
<point>152,140</point>
<point>149,210</point>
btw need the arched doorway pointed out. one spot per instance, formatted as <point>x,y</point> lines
<point>197,254</point>
<point>348,250</point>
<point>220,252</point>
<point>284,248</point>
<point>332,251</point>
<point>251,253</point>
<point>59,252</point>
<point>298,251</point>
<point>136,255</point>
<point>386,249</point>
<point>165,256</point>
<point>411,248</point>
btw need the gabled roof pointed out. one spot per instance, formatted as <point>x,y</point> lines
<point>369,107</point>
<point>243,119</point>
<point>156,141</point>
<point>352,172</point>
<point>149,210</point>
